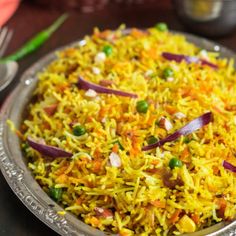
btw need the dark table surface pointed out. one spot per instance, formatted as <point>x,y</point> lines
<point>15,219</point>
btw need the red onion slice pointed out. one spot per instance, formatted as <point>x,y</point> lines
<point>189,59</point>
<point>187,129</point>
<point>229,166</point>
<point>47,150</point>
<point>85,85</point>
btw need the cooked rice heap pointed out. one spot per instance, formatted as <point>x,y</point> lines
<point>110,182</point>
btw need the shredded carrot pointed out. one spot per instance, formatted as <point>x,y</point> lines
<point>20,135</point>
<point>97,165</point>
<point>97,153</point>
<point>170,109</point>
<point>61,179</point>
<point>222,203</point>
<point>50,110</point>
<point>155,162</point>
<point>195,218</point>
<point>67,110</point>
<point>61,170</point>
<point>137,33</point>
<point>62,87</point>
<point>95,222</point>
<point>185,155</point>
<point>115,148</point>
<point>151,120</point>
<point>79,201</point>
<point>217,109</point>
<point>215,170</point>
<point>103,111</point>
<point>103,34</point>
<point>89,119</point>
<point>205,87</point>
<point>46,125</point>
<point>175,217</point>
<point>158,203</point>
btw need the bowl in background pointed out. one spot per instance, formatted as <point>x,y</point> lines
<point>207,17</point>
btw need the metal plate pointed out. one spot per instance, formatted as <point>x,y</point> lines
<point>20,179</point>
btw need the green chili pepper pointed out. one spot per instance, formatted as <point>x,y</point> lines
<point>152,139</point>
<point>36,41</point>
<point>55,193</point>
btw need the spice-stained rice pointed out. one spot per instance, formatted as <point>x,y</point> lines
<point>106,177</point>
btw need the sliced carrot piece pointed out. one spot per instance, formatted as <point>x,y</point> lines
<point>115,148</point>
<point>175,217</point>
<point>158,203</point>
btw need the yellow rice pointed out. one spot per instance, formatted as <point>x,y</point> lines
<point>140,202</point>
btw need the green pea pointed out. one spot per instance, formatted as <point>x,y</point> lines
<point>55,193</point>
<point>186,140</point>
<point>142,106</point>
<point>107,50</point>
<point>25,146</point>
<point>152,139</point>
<point>175,162</point>
<point>79,130</point>
<point>161,27</point>
<point>168,72</point>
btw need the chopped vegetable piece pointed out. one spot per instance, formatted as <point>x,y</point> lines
<point>107,50</point>
<point>79,130</point>
<point>175,216</point>
<point>85,85</point>
<point>175,162</point>
<point>103,212</point>
<point>186,225</point>
<point>34,43</point>
<point>152,139</point>
<point>50,110</point>
<point>55,193</point>
<point>120,146</point>
<point>189,59</point>
<point>142,106</point>
<point>222,204</point>
<point>100,57</point>
<point>179,115</point>
<point>229,166</point>
<point>185,130</point>
<point>91,93</point>
<point>96,70</point>
<point>47,150</point>
<point>115,160</point>
<point>165,124</point>
<point>168,72</point>
<point>158,203</point>
<point>161,26</point>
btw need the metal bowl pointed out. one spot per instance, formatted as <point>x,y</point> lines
<point>20,179</point>
<point>207,17</point>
